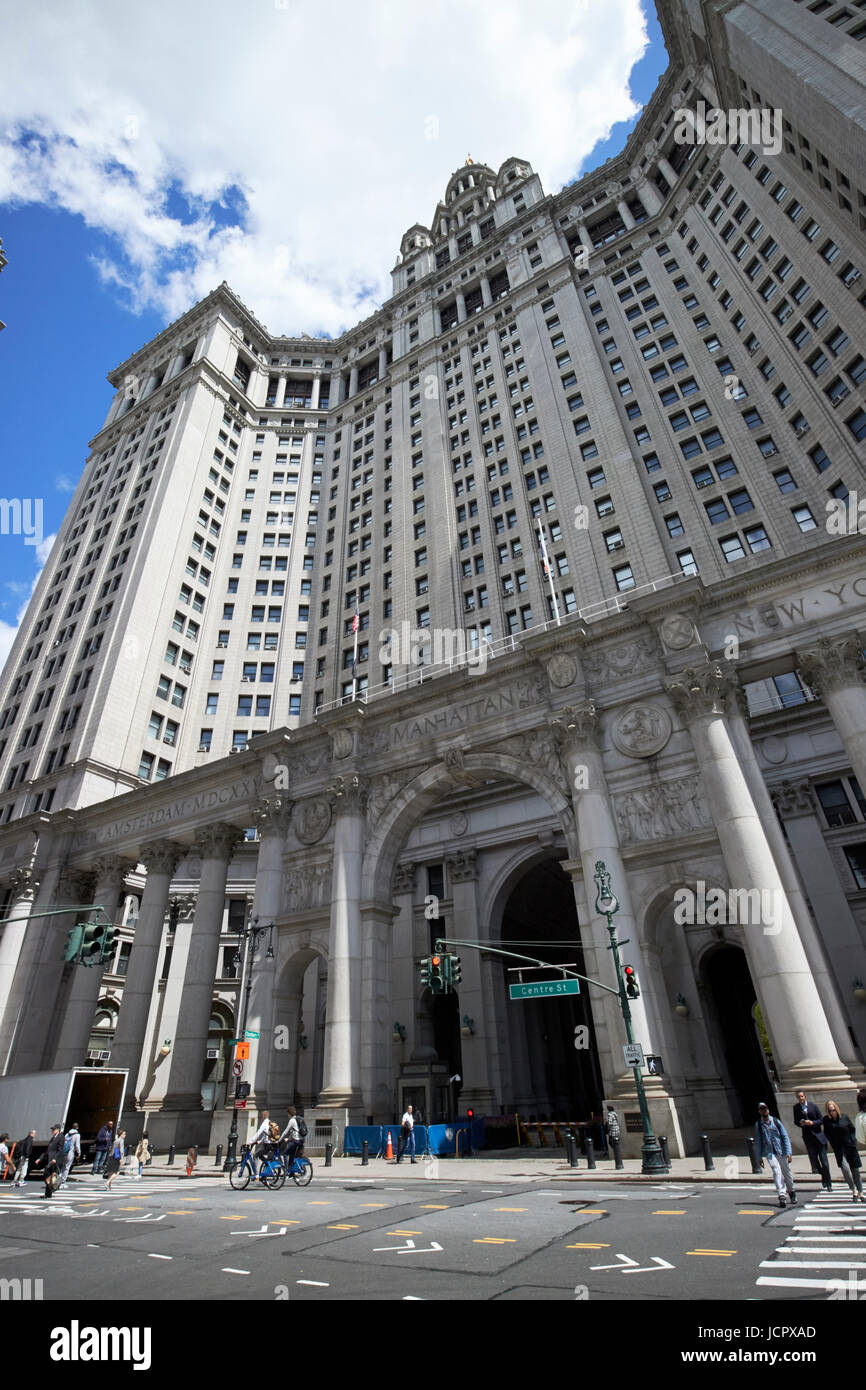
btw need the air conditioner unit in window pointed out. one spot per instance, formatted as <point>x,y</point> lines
<point>204,748</point>
<point>834,401</point>
<point>753,350</point>
<point>768,453</point>
<point>247,680</point>
<point>221,646</point>
<point>853,277</point>
<point>167,738</point>
<point>186,668</point>
<point>98,1056</point>
<point>804,429</point>
<point>212,1054</point>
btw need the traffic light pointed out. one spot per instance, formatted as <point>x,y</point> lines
<point>109,936</point>
<point>455,971</point>
<point>91,942</point>
<point>632,988</point>
<point>437,976</point>
<point>425,971</point>
<point>73,942</point>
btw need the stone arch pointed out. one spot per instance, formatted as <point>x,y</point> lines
<point>526,857</point>
<point>295,1070</point>
<point>389,834</point>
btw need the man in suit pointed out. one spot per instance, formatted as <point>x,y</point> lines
<point>809,1119</point>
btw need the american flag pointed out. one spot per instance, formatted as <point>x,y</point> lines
<point>356,621</point>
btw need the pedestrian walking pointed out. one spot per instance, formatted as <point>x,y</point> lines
<point>24,1151</point>
<point>5,1157</point>
<point>142,1153</point>
<point>103,1144</point>
<point>860,1119</point>
<point>842,1139</point>
<point>773,1144</point>
<point>53,1159</point>
<point>810,1122</point>
<point>115,1159</point>
<point>407,1135</point>
<point>612,1126</point>
<point>71,1152</point>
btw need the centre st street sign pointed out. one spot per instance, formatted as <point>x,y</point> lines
<point>544,989</point>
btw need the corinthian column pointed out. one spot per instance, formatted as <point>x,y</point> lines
<point>271,815</point>
<point>834,668</point>
<point>160,858</point>
<point>341,1081</point>
<point>214,845</point>
<point>83,996</point>
<point>24,886</point>
<point>803,1045</point>
<point>477,1090</point>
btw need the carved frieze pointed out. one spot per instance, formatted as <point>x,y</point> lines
<point>539,749</point>
<point>307,887</point>
<point>628,659</point>
<point>661,810</point>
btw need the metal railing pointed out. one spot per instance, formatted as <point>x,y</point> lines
<point>423,673</point>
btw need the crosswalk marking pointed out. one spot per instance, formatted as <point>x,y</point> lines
<point>826,1226</point>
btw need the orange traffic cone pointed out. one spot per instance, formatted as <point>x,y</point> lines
<point>389,1151</point>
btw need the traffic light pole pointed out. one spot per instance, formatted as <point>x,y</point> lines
<point>250,937</point>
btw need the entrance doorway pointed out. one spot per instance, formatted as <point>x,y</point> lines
<point>734,1001</point>
<point>555,1071</point>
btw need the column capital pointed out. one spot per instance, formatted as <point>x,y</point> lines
<point>404,878</point>
<point>793,799</point>
<point>832,664</point>
<point>271,815</point>
<point>700,690</point>
<point>182,906</point>
<point>23,881</point>
<point>349,795</point>
<point>217,841</point>
<point>462,867</point>
<point>76,885</point>
<point>111,870</point>
<point>576,726</point>
<point>161,856</point>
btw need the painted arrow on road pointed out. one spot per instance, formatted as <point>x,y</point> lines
<point>657,1263</point>
<point>262,1231</point>
<point>409,1249</point>
<point>625,1262</point>
<point>148,1217</point>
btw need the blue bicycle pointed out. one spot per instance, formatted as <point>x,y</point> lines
<point>272,1172</point>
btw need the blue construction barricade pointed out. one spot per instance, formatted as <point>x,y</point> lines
<point>441,1141</point>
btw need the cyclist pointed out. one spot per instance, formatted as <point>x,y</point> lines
<point>291,1143</point>
<point>260,1144</point>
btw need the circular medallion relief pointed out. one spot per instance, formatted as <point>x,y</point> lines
<point>562,670</point>
<point>775,750</point>
<point>677,631</point>
<point>458,825</point>
<point>641,730</point>
<point>342,743</point>
<point>312,820</point>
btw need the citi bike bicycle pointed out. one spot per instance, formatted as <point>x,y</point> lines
<point>272,1171</point>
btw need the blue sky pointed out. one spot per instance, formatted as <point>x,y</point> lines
<point>128,193</point>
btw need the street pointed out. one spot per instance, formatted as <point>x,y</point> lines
<point>390,1236</point>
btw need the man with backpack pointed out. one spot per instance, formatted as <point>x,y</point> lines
<point>24,1152</point>
<point>52,1159</point>
<point>71,1152</point>
<point>773,1144</point>
<point>103,1145</point>
<point>293,1136</point>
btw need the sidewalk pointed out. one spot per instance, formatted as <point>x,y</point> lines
<point>517,1166</point>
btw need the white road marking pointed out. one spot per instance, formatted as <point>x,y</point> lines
<point>805,1283</point>
<point>227,1269</point>
<point>624,1262</point>
<point>160,1257</point>
<point>315,1283</point>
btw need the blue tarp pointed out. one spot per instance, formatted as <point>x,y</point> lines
<point>435,1139</point>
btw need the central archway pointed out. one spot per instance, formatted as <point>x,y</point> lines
<point>555,1073</point>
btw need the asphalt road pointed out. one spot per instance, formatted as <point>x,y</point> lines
<point>383,1239</point>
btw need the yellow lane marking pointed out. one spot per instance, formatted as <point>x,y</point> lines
<point>511,1208</point>
<point>403,1233</point>
<point>252,1199</point>
<point>191,1199</point>
<point>594,1211</point>
<point>282,1221</point>
<point>320,1204</point>
<point>663,1211</point>
<point>374,1204</point>
<point>342,1227</point>
<point>588,1245</point>
<point>495,1240</point>
<point>130,1208</point>
<point>711,1252</point>
<point>237,1217</point>
<point>182,1212</point>
<point>435,1206</point>
<point>751,1211</point>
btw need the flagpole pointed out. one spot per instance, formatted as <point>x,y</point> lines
<point>547,570</point>
<point>356,623</point>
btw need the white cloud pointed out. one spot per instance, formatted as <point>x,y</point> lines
<point>64,483</point>
<point>319,114</point>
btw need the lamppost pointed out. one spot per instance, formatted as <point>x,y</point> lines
<point>606,905</point>
<point>251,937</point>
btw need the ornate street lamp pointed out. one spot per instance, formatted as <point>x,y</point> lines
<point>251,938</point>
<point>606,905</point>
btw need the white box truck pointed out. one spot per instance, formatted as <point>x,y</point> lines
<point>86,1096</point>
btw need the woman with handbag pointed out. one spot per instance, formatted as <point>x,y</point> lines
<point>841,1136</point>
<point>115,1159</point>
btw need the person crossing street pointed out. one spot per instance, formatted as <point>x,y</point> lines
<point>773,1144</point>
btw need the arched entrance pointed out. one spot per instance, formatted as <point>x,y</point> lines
<point>215,1072</point>
<point>733,1003</point>
<point>555,1069</point>
<point>299,1016</point>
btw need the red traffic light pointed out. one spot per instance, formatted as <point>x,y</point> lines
<point>470,1114</point>
<point>435,961</point>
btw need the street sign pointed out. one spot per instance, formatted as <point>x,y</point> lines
<point>252,1036</point>
<point>243,1052</point>
<point>544,989</point>
<point>654,1064</point>
<point>633,1055</point>
<point>240,1105</point>
<point>237,1068</point>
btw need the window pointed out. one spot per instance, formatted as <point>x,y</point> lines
<point>804,518</point>
<point>835,804</point>
<point>624,578</point>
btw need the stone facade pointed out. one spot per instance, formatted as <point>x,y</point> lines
<point>589,482</point>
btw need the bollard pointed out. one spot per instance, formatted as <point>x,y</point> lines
<point>171,1154</point>
<point>219,1156</point>
<point>329,1154</point>
<point>571,1150</point>
<point>590,1152</point>
<point>663,1145</point>
<point>753,1157</point>
<point>365,1153</point>
<point>617,1153</point>
<point>708,1157</point>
